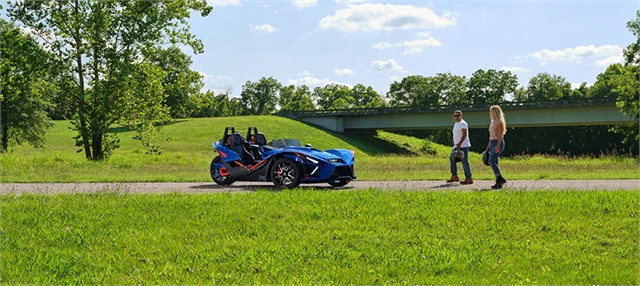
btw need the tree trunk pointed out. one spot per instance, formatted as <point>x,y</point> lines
<point>97,146</point>
<point>81,111</point>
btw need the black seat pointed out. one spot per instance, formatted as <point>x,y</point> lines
<point>241,147</point>
<point>260,139</point>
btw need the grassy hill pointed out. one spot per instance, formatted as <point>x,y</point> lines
<point>187,152</point>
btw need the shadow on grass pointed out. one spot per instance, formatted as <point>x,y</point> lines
<point>265,187</point>
<point>366,141</point>
<point>122,129</point>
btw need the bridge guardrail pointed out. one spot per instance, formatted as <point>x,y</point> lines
<point>450,108</point>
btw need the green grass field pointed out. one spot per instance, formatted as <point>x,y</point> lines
<point>187,153</point>
<point>319,237</point>
<point>307,236</point>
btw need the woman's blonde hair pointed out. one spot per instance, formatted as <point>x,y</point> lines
<point>496,114</point>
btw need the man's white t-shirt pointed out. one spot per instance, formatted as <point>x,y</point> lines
<point>457,134</point>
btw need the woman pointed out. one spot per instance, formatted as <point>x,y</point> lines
<point>497,129</point>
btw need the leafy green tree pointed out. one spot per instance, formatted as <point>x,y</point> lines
<point>333,96</point>
<point>491,86</point>
<point>414,90</point>
<point>366,97</point>
<point>26,95</point>
<point>260,98</point>
<point>180,82</point>
<point>580,92</point>
<point>294,98</point>
<point>544,87</point>
<point>453,89</point>
<point>106,42</point>
<point>627,86</point>
<point>632,52</point>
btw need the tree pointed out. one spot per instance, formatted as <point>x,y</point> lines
<point>491,86</point>
<point>544,86</point>
<point>452,88</point>
<point>366,97</point>
<point>180,82</point>
<point>414,90</point>
<point>627,86</point>
<point>606,83</point>
<point>260,98</point>
<point>632,52</point>
<point>580,92</point>
<point>26,95</point>
<point>106,41</point>
<point>294,98</point>
<point>333,96</point>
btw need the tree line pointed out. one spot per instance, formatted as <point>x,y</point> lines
<point>100,63</point>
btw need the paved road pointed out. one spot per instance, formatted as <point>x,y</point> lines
<point>210,187</point>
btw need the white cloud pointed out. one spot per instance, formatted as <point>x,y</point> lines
<point>223,77</point>
<point>304,3</point>
<point>610,60</point>
<point>416,46</point>
<point>348,1</point>
<point>265,29</point>
<point>204,75</point>
<point>221,3</point>
<point>579,53</point>
<point>385,45</point>
<point>373,17</point>
<point>339,71</point>
<point>423,34</point>
<point>543,63</point>
<point>386,65</point>
<point>306,78</point>
<point>514,69</point>
<point>411,47</point>
<point>395,78</point>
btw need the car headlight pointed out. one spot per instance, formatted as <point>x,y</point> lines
<point>312,160</point>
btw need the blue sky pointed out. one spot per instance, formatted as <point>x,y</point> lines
<point>316,42</point>
<point>376,42</point>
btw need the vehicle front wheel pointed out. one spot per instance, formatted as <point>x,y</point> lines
<point>286,173</point>
<point>339,183</point>
<point>216,165</point>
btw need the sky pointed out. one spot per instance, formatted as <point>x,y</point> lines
<point>316,42</point>
<point>374,43</point>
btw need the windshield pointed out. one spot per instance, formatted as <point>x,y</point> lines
<point>285,142</point>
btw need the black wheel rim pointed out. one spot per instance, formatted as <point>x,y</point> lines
<point>285,174</point>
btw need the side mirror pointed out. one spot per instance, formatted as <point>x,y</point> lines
<point>307,145</point>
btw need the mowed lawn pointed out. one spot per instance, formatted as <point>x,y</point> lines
<point>322,237</point>
<point>187,153</point>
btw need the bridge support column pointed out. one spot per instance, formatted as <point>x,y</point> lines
<point>333,123</point>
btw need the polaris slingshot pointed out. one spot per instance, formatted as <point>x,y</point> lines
<point>285,162</point>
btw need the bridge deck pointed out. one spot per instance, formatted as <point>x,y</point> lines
<point>601,111</point>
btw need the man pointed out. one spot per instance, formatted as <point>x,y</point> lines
<point>460,141</point>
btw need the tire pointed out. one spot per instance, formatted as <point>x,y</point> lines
<point>340,183</point>
<point>286,173</point>
<point>220,180</point>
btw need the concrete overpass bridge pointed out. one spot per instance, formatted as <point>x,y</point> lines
<point>600,111</point>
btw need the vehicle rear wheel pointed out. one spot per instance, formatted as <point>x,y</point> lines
<point>286,173</point>
<point>339,183</point>
<point>216,165</point>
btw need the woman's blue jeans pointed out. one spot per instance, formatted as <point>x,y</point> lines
<point>465,163</point>
<point>493,156</point>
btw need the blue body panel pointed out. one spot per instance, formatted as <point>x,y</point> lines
<point>319,166</point>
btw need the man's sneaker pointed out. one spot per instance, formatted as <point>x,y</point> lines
<point>467,181</point>
<point>453,179</point>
